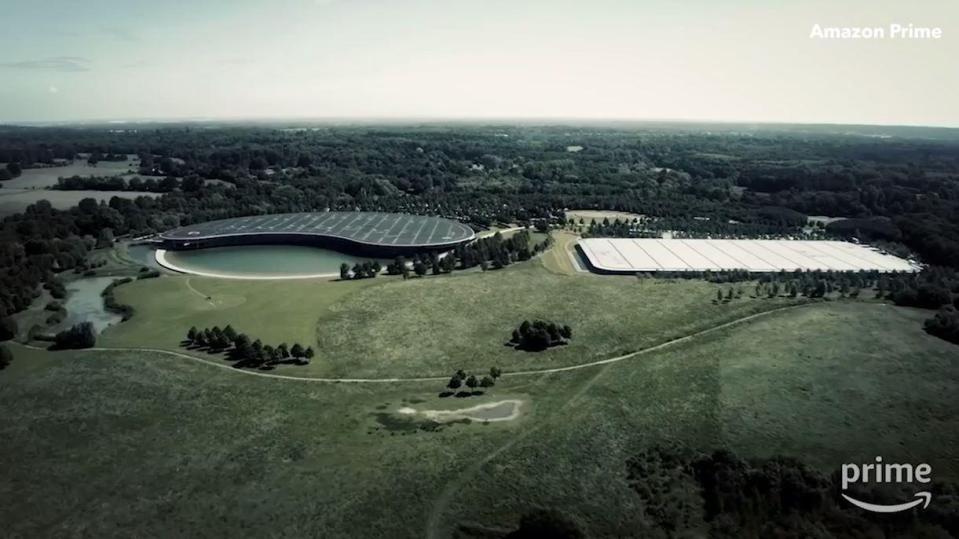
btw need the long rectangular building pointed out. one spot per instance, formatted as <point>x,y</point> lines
<point>631,255</point>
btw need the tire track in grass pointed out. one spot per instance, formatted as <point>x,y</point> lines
<point>441,504</point>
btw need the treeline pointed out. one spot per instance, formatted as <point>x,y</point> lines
<point>117,183</point>
<point>768,223</point>
<point>771,497</point>
<point>493,252</point>
<point>727,184</point>
<point>110,302</point>
<point>244,351</point>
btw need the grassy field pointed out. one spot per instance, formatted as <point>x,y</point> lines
<point>124,444</point>
<point>434,326</point>
<point>274,311</point>
<point>387,327</point>
<point>16,200</point>
<point>33,178</point>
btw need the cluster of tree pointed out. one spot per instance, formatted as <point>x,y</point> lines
<point>117,183</point>
<point>771,497</point>
<point>945,324</point>
<point>460,379</point>
<point>539,335</point>
<point>360,270</point>
<point>81,335</point>
<point>243,350</point>
<point>96,156</point>
<point>12,170</point>
<point>8,328</point>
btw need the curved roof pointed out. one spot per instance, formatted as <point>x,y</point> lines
<point>369,228</point>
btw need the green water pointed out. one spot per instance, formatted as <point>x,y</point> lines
<point>84,303</point>
<point>264,260</point>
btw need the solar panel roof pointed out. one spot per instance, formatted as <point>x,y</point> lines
<point>371,228</point>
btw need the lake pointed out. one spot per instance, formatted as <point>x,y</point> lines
<point>85,304</point>
<point>264,260</point>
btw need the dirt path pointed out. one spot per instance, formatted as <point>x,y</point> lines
<point>559,258</point>
<point>197,292</point>
<point>534,372</point>
<point>434,525</point>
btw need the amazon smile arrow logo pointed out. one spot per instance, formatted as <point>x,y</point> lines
<point>880,472</point>
<point>923,498</point>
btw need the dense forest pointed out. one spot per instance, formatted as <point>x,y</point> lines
<point>903,192</point>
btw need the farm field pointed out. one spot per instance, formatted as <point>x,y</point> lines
<point>39,178</point>
<point>148,439</point>
<point>16,200</point>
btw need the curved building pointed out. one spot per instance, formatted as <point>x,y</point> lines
<point>367,233</point>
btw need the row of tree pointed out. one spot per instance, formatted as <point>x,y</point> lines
<point>460,378</point>
<point>243,350</point>
<point>117,183</point>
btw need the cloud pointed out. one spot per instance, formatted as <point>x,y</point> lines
<point>119,33</point>
<point>53,89</point>
<point>138,64</point>
<point>56,63</point>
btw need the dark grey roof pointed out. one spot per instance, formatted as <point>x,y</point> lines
<point>371,228</point>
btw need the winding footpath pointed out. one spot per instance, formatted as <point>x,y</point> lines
<point>511,374</point>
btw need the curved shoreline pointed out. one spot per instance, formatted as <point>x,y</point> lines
<point>161,259</point>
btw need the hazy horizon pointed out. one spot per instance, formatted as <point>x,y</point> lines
<point>736,61</point>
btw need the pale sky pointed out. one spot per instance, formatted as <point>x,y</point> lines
<point>729,60</point>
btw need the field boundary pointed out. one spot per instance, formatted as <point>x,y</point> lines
<point>512,374</point>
